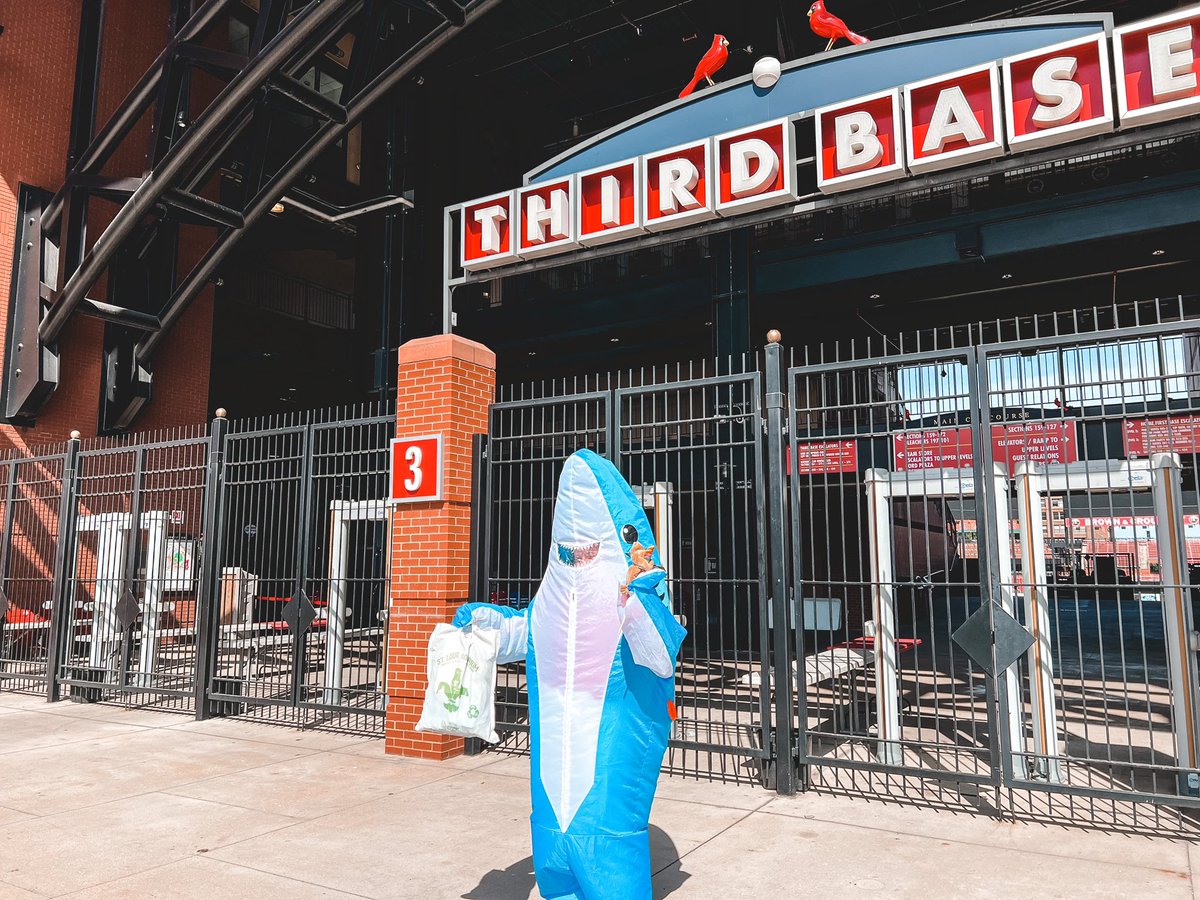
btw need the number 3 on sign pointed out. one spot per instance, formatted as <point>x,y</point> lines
<point>412,456</point>
<point>416,468</point>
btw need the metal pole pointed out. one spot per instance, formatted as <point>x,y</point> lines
<point>883,608</point>
<point>208,593</point>
<point>1177,616</point>
<point>61,609</point>
<point>1031,488</point>
<point>132,545</point>
<point>478,560</point>
<point>304,549</point>
<point>779,599</point>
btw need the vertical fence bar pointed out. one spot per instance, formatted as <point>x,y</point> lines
<point>61,610</point>
<point>208,596</point>
<point>779,600</point>
<point>299,634</point>
<point>133,546</point>
<point>478,562</point>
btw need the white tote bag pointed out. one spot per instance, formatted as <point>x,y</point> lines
<point>460,698</point>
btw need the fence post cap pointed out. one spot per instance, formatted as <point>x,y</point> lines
<point>773,336</point>
<point>221,412</point>
<point>75,435</point>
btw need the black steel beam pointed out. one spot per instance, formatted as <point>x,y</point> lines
<point>201,210</point>
<point>130,318</point>
<point>325,136</point>
<point>135,104</point>
<point>87,80</point>
<point>216,61</point>
<point>313,101</point>
<point>297,38</point>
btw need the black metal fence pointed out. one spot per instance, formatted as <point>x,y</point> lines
<point>239,568</point>
<point>965,555</point>
<point>968,556</point>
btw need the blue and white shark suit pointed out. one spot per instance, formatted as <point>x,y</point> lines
<point>601,666</point>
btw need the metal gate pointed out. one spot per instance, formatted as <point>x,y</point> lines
<point>967,557</point>
<point>691,446</point>
<point>234,569</point>
<point>132,565</point>
<point>299,633</point>
<point>994,547</point>
<point>29,568</point>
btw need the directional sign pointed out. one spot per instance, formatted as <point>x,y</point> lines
<point>826,457</point>
<point>1035,442</point>
<point>1168,434</point>
<point>938,448</point>
<point>950,448</point>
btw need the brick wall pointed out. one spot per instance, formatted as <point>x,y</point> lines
<point>37,75</point>
<point>445,385</point>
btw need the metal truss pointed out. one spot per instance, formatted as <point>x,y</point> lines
<point>137,255</point>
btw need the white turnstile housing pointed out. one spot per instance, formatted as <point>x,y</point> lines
<point>882,487</point>
<point>341,514</point>
<point>112,539</point>
<point>1161,475</point>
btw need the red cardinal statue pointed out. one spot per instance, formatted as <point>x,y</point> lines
<point>710,63</point>
<point>827,25</point>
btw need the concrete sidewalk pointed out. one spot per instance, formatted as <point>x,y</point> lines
<point>96,801</point>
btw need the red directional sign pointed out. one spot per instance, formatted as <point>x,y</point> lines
<point>826,457</point>
<point>950,448</point>
<point>1035,442</point>
<point>1169,434</point>
<point>937,448</point>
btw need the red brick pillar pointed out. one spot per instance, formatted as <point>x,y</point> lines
<point>444,387</point>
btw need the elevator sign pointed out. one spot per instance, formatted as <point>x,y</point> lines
<point>1168,434</point>
<point>1034,442</point>
<point>950,448</point>
<point>416,471</point>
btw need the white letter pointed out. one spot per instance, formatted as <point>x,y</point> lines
<point>610,200</point>
<point>538,216</point>
<point>858,147</point>
<point>1059,98</point>
<point>677,178</point>
<point>489,219</point>
<point>742,181</point>
<point>1171,75</point>
<point>952,119</point>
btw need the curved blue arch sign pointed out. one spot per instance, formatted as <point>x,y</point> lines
<point>880,111</point>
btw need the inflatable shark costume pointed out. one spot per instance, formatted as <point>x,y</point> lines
<point>601,665</point>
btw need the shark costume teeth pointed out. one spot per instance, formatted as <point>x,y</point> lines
<point>600,668</point>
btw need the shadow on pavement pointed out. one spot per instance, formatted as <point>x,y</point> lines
<point>517,881</point>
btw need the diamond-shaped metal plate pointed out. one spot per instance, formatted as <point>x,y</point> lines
<point>1012,638</point>
<point>975,637</point>
<point>3,604</point>
<point>299,612</point>
<point>127,609</point>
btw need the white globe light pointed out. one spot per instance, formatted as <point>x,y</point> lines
<point>766,72</point>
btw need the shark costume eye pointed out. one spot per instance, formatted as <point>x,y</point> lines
<point>629,534</point>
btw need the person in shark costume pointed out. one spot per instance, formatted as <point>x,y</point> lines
<point>600,643</point>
